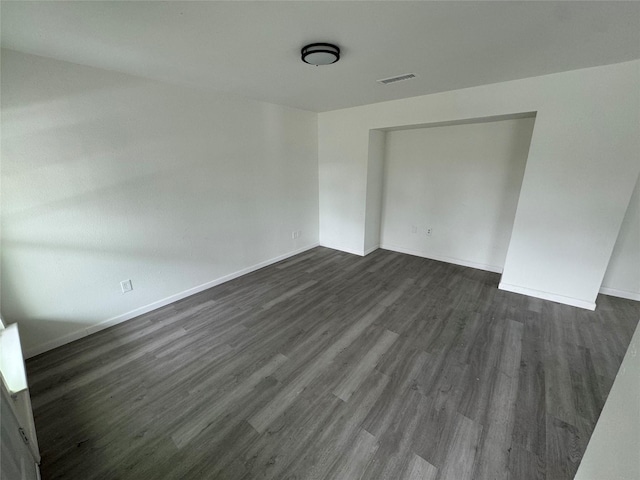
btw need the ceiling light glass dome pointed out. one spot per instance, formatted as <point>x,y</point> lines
<point>320,54</point>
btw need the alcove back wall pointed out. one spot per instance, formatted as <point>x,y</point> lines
<point>450,192</point>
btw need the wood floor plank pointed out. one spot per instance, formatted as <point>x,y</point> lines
<point>564,449</point>
<point>287,295</point>
<point>120,363</point>
<point>529,431</point>
<point>329,365</point>
<point>462,450</point>
<point>395,444</point>
<point>197,423</point>
<point>524,465</point>
<point>402,381</point>
<point>339,430</point>
<point>358,374</point>
<point>419,469</point>
<point>292,436</point>
<point>279,404</point>
<point>353,462</point>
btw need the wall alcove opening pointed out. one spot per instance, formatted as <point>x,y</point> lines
<point>448,190</point>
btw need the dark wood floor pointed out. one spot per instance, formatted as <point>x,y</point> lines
<point>333,366</point>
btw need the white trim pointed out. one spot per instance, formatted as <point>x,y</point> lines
<point>614,292</point>
<point>574,302</point>
<point>443,258</point>
<point>371,250</point>
<point>57,342</point>
<point>360,253</point>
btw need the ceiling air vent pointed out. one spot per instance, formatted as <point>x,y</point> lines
<point>399,78</point>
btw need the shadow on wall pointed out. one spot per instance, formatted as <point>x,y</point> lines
<point>106,177</point>
<point>519,146</point>
<point>30,96</point>
<point>58,254</point>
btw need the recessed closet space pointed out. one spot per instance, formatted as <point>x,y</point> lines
<point>450,190</point>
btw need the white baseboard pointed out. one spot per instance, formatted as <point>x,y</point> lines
<point>574,302</point>
<point>83,332</point>
<point>55,343</point>
<point>614,292</point>
<point>443,258</point>
<point>371,250</point>
<point>343,249</point>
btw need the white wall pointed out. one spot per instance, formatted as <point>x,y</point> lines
<point>342,183</point>
<point>612,453</point>
<point>375,179</point>
<point>463,182</point>
<point>581,170</point>
<point>623,273</point>
<point>107,177</point>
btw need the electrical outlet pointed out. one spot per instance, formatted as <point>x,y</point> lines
<point>126,286</point>
<point>414,229</point>
<point>429,231</point>
<point>296,234</point>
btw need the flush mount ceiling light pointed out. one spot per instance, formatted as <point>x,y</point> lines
<point>320,54</point>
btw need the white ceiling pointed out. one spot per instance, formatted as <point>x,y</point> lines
<point>252,49</point>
